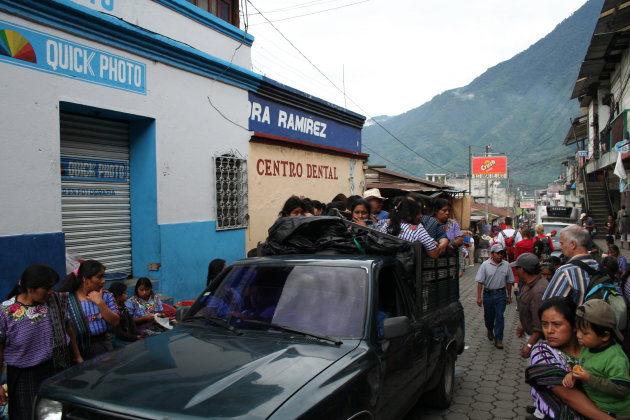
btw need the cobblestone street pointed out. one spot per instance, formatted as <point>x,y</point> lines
<point>488,381</point>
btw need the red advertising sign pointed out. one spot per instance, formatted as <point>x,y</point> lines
<point>489,167</point>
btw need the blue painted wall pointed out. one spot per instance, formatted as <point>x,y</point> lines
<point>188,248</point>
<point>145,233</point>
<point>18,252</point>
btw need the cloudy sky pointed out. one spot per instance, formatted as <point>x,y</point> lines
<point>392,55</point>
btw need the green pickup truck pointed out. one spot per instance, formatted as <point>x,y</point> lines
<point>318,336</point>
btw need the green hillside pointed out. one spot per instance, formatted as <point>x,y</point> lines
<point>520,106</point>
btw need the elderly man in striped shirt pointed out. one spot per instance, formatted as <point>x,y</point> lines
<point>570,280</point>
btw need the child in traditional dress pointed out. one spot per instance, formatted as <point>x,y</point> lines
<point>143,307</point>
<point>604,366</point>
<point>126,332</point>
<point>34,333</point>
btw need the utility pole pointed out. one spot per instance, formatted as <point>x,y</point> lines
<point>507,188</point>
<point>487,199</point>
<point>470,170</point>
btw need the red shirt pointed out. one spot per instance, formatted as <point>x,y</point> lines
<point>521,247</point>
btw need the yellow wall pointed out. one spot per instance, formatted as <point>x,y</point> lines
<point>271,181</point>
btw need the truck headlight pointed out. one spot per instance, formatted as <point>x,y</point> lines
<point>48,410</point>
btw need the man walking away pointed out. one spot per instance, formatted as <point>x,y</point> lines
<point>494,280</point>
<point>570,280</point>
<point>508,237</point>
<point>620,213</point>
<point>531,288</point>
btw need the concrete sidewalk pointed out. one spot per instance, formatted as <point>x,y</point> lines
<point>489,383</point>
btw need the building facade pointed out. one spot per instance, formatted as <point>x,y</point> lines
<point>128,137</point>
<point>599,136</point>
<point>299,146</point>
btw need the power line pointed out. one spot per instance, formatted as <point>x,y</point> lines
<point>373,152</point>
<point>312,13</point>
<point>343,93</point>
<point>298,6</point>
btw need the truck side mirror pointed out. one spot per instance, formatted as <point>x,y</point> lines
<point>181,312</point>
<point>396,327</point>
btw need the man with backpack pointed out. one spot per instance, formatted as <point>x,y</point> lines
<point>508,237</point>
<point>543,244</point>
<point>571,280</point>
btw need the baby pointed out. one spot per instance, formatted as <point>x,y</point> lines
<point>604,366</point>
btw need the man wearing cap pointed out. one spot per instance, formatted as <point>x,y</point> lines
<point>570,280</point>
<point>373,196</point>
<point>531,289</point>
<point>494,279</point>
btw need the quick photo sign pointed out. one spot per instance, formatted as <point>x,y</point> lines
<point>40,51</point>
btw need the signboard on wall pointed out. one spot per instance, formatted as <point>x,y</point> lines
<point>24,47</point>
<point>489,167</point>
<point>281,120</point>
<point>527,204</point>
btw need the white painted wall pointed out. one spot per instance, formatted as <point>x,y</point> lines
<point>162,20</point>
<point>189,133</point>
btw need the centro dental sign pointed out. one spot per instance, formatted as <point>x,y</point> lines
<point>37,50</point>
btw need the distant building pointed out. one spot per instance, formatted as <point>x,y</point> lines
<point>497,193</point>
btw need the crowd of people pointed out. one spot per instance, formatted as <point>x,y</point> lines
<point>43,331</point>
<point>411,217</point>
<point>572,319</point>
<point>574,340</point>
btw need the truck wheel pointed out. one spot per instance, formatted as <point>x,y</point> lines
<point>441,397</point>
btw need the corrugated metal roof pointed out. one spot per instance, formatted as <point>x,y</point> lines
<point>437,185</point>
<point>577,131</point>
<point>497,211</point>
<point>610,38</point>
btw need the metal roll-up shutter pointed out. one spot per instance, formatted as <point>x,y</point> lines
<point>95,204</point>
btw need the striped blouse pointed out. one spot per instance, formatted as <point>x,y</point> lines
<point>544,354</point>
<point>93,317</point>
<point>26,333</point>
<point>411,233</point>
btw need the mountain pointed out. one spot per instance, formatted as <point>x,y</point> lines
<point>378,119</point>
<point>520,106</point>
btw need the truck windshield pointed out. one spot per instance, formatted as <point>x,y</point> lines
<point>322,300</point>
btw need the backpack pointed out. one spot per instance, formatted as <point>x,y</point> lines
<point>509,245</point>
<point>541,247</point>
<point>602,286</point>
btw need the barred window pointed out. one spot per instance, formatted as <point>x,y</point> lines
<point>231,191</point>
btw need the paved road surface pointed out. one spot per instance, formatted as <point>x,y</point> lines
<point>488,381</point>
